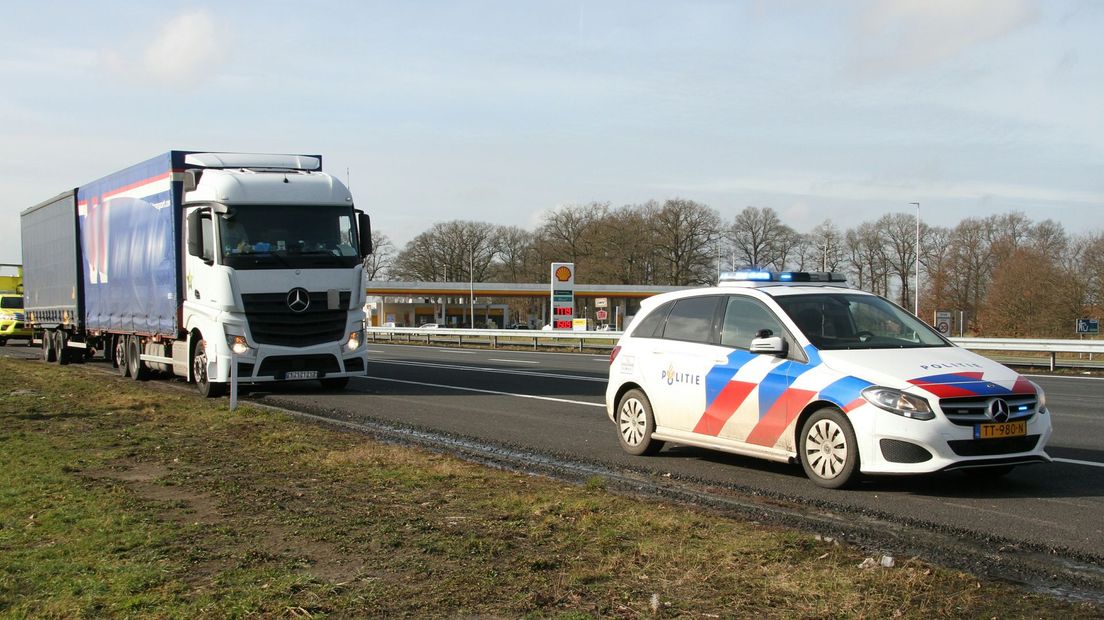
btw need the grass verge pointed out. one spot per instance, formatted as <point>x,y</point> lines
<point>121,499</point>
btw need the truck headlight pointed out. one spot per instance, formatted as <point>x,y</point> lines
<point>237,344</point>
<point>898,402</point>
<point>354,341</point>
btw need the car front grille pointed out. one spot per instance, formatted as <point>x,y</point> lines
<point>971,410</point>
<point>271,321</point>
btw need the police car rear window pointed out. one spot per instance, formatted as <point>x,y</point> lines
<point>651,326</point>
<point>691,319</point>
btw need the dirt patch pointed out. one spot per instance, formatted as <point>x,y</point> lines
<point>186,506</point>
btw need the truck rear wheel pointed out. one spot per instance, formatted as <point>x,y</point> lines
<point>138,370</point>
<point>48,346</point>
<point>199,370</point>
<point>60,354</point>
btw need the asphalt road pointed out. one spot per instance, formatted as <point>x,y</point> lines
<point>552,403</point>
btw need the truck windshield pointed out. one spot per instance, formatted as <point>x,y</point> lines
<point>11,302</point>
<point>288,236</point>
<point>842,321</point>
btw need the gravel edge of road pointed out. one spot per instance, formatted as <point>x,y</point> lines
<point>1055,571</point>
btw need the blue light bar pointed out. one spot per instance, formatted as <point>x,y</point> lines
<point>789,277</point>
<point>747,275</point>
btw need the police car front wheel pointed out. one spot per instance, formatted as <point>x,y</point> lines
<point>635,424</point>
<point>828,450</point>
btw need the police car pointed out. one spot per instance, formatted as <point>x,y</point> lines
<point>798,367</point>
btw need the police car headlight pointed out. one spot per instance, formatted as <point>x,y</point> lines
<point>1040,397</point>
<point>898,402</point>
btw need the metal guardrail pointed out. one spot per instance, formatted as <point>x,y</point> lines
<point>1025,345</point>
<point>606,340</point>
<point>496,337</point>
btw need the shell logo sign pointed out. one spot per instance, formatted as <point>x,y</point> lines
<point>563,273</point>
<point>562,306</point>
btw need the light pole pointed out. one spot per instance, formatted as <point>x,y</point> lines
<point>471,281</point>
<point>916,293</point>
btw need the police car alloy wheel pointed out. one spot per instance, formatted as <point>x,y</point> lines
<point>829,452</point>
<point>635,424</point>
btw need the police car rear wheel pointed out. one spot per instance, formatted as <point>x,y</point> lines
<point>829,452</point>
<point>635,424</point>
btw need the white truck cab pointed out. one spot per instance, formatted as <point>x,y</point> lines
<point>273,277</point>
<point>797,367</point>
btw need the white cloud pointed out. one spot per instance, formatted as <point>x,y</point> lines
<point>184,51</point>
<point>903,35</point>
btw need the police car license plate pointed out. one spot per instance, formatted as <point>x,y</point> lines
<point>997,431</point>
<point>301,374</point>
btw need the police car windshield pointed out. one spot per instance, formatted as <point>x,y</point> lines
<point>842,321</point>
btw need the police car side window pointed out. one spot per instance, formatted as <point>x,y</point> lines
<point>744,318</point>
<point>651,326</point>
<point>691,319</point>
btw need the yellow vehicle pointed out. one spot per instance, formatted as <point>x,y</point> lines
<point>12,319</point>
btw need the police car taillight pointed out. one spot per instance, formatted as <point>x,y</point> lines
<point>613,353</point>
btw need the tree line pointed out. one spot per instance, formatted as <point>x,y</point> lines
<point>1007,275</point>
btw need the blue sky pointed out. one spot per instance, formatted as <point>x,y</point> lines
<point>500,111</point>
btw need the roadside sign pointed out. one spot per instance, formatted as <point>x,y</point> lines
<point>601,302</point>
<point>601,315</point>
<point>943,322</point>
<point>562,294</point>
<point>1086,326</point>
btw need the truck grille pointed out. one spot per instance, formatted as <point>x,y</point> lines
<point>271,321</point>
<point>971,410</point>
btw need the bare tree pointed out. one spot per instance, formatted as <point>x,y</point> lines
<point>685,235</point>
<point>377,265</point>
<point>754,235</point>
<point>827,240</point>
<point>452,251</point>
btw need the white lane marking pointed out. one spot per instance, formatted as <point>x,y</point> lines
<point>494,392</point>
<point>504,371</point>
<point>600,359</point>
<point>373,351</point>
<point>495,359</point>
<point>446,350</point>
<point>1076,462</point>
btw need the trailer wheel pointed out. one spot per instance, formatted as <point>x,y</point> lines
<point>60,354</point>
<point>119,355</point>
<point>199,370</point>
<point>48,346</point>
<point>138,370</point>
<point>3,342</point>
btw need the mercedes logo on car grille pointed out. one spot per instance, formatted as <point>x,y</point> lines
<point>298,299</point>
<point>998,409</point>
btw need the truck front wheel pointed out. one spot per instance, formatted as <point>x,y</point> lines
<point>199,369</point>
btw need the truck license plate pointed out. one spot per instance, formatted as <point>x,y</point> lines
<point>997,431</point>
<point>301,374</point>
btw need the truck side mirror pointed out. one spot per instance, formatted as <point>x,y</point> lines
<point>364,224</point>
<point>200,237</point>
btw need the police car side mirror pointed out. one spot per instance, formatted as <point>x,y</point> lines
<point>767,344</point>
